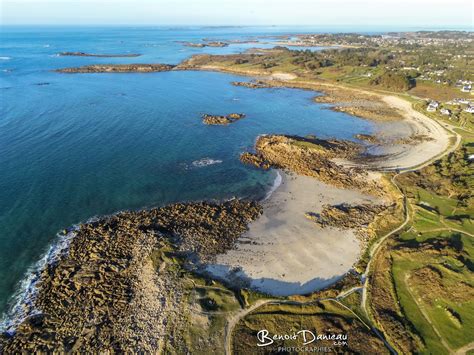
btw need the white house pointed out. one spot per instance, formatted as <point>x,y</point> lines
<point>469,109</point>
<point>445,111</point>
<point>466,88</point>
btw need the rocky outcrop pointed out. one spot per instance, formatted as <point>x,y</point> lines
<point>112,291</point>
<point>258,84</point>
<point>218,44</point>
<point>82,54</point>
<point>359,218</point>
<point>368,138</point>
<point>222,120</point>
<point>255,159</point>
<point>313,157</point>
<point>118,68</point>
<point>346,216</point>
<point>414,139</point>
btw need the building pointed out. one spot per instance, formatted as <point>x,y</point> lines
<point>469,109</point>
<point>432,106</point>
<point>445,111</point>
<point>466,88</point>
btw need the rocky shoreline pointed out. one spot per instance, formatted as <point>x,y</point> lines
<point>368,138</point>
<point>315,158</point>
<point>83,54</point>
<point>222,120</point>
<point>114,290</point>
<point>118,68</point>
<point>255,84</point>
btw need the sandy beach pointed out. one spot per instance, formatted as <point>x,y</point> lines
<point>284,253</point>
<point>406,156</point>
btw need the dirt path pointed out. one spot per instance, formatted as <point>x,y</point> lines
<point>465,349</point>
<point>234,319</point>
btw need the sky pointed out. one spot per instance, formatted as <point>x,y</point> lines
<point>396,13</point>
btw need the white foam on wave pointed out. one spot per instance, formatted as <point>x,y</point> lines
<point>205,162</point>
<point>276,184</point>
<point>24,298</point>
<point>5,58</point>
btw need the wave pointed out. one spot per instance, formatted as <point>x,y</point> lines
<point>24,298</point>
<point>5,58</point>
<point>276,184</point>
<point>205,162</point>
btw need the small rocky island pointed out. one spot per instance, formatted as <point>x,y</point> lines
<point>118,68</point>
<point>222,120</point>
<point>83,54</point>
<point>216,44</point>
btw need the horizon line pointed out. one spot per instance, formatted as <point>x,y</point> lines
<point>440,27</point>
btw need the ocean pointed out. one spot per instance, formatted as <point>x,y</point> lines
<point>74,146</point>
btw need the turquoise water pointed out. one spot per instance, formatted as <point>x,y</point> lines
<point>83,145</point>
